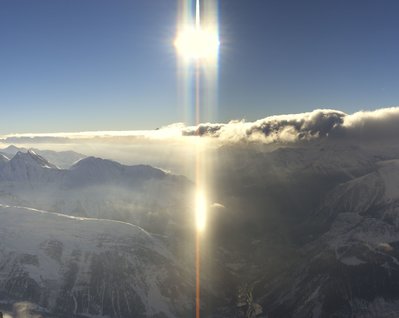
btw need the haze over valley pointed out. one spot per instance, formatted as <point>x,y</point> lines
<point>296,227</point>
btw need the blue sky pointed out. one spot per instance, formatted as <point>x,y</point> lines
<point>76,65</point>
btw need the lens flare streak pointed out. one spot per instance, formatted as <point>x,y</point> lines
<point>197,44</point>
<point>200,213</point>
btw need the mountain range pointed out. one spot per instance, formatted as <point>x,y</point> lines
<point>62,159</point>
<point>304,230</point>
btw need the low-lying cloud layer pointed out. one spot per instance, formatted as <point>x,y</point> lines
<point>320,123</point>
<point>381,123</point>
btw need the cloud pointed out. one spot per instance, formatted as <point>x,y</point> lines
<point>217,205</point>
<point>385,247</point>
<point>381,123</point>
<point>319,123</point>
<point>283,128</point>
<point>169,132</point>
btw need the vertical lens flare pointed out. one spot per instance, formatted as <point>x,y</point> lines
<point>200,213</point>
<point>197,44</point>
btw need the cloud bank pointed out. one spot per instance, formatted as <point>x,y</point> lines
<point>319,123</point>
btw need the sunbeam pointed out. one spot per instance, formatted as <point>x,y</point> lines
<point>197,44</point>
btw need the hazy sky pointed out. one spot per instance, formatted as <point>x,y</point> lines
<point>73,65</point>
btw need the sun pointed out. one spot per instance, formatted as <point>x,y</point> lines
<point>196,43</point>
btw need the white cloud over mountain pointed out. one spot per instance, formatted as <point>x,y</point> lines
<point>319,123</point>
<point>381,123</point>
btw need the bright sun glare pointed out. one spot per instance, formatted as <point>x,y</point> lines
<point>197,43</point>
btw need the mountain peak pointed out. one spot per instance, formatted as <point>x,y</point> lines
<point>12,150</point>
<point>32,158</point>
<point>96,162</point>
<point>92,170</point>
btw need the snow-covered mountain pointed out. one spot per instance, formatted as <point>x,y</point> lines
<point>95,187</point>
<point>305,230</point>
<point>94,171</point>
<point>62,159</point>
<point>28,167</point>
<point>88,267</point>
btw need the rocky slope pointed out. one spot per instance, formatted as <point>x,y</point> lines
<point>351,268</point>
<point>89,267</point>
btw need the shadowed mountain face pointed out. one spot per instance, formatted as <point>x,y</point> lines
<point>311,230</point>
<point>308,230</point>
<point>351,269</point>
